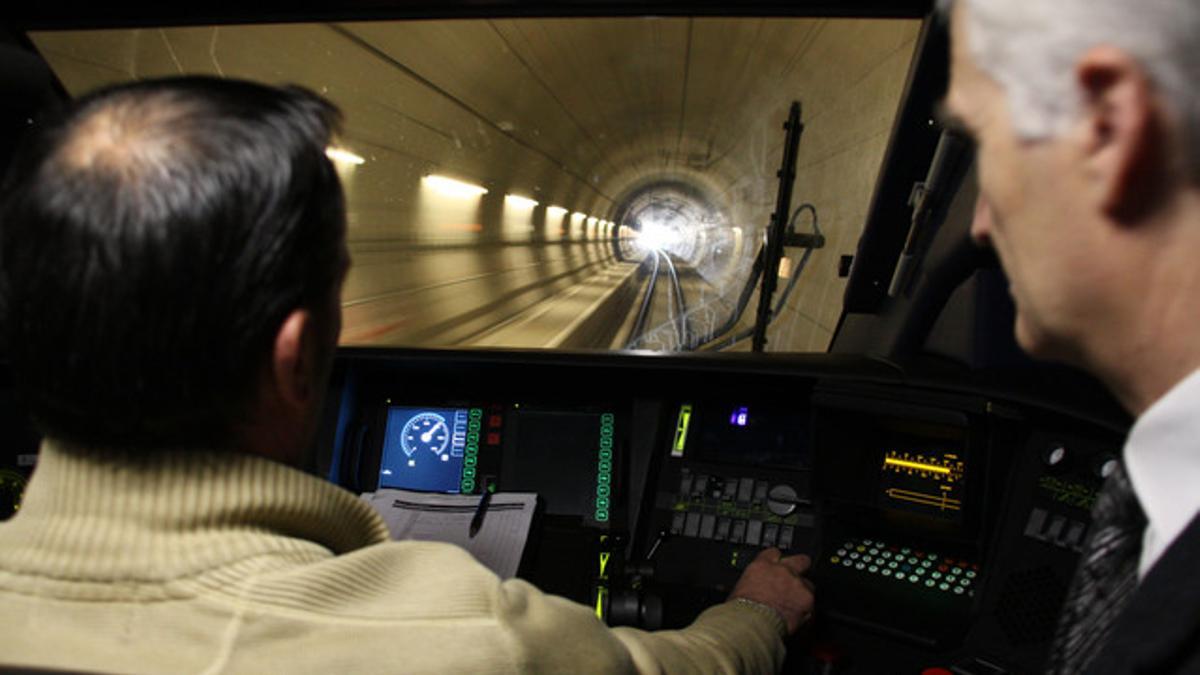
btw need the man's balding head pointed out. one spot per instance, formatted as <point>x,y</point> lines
<point>152,243</point>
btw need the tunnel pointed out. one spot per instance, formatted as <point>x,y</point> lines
<point>574,183</point>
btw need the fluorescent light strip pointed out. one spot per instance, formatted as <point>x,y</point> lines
<point>454,188</point>
<point>521,202</point>
<point>342,156</point>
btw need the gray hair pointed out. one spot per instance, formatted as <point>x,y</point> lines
<point>1030,47</point>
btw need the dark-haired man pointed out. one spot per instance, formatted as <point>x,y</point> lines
<point>171,254</point>
<point>1088,124</point>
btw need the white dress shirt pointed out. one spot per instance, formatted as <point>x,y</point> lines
<point>1162,456</point>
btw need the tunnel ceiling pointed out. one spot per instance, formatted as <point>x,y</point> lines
<point>564,109</point>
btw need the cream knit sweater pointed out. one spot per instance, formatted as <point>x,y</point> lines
<point>212,562</point>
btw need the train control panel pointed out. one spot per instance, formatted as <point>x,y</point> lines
<point>944,520</point>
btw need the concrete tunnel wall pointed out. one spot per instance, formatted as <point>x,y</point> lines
<point>574,113</point>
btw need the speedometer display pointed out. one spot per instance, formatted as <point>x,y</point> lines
<point>423,448</point>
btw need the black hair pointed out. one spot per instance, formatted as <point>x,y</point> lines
<point>152,241</point>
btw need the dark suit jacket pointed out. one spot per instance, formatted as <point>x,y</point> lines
<point>1159,632</point>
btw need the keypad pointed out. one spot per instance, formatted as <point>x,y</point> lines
<point>908,566</point>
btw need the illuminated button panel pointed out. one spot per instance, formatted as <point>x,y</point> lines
<point>732,509</point>
<point>604,469</point>
<point>907,566</point>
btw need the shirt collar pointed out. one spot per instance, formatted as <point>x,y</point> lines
<point>1162,455</point>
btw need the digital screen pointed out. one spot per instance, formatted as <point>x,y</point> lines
<point>757,435</point>
<point>423,449</point>
<point>923,478</point>
<point>566,457</point>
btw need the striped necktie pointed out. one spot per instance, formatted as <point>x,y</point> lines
<point>1105,579</point>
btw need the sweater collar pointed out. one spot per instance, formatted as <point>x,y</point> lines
<point>104,515</point>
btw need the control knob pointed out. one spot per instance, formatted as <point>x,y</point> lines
<point>1054,454</point>
<point>781,499</point>
<point>1104,465</point>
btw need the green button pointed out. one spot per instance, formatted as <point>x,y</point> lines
<point>603,490</point>
<point>602,515</point>
<point>930,583</point>
<point>605,466</point>
<point>944,586</point>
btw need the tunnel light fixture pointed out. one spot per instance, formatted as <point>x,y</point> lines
<point>591,221</point>
<point>520,202</point>
<point>578,216</point>
<point>453,188</point>
<point>343,156</point>
<point>555,211</point>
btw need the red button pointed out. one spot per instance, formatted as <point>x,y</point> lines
<point>936,671</point>
<point>494,421</point>
<point>493,438</point>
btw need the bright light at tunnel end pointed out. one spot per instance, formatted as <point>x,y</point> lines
<point>657,235</point>
<point>453,188</point>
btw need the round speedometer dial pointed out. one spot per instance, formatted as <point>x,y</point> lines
<point>425,432</point>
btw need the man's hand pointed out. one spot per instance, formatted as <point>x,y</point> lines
<point>779,583</point>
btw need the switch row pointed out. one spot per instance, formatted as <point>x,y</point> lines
<point>722,528</point>
<point>741,490</point>
<point>1055,529</point>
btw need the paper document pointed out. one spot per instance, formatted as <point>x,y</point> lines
<point>429,516</point>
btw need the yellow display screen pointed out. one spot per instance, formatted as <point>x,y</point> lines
<point>923,480</point>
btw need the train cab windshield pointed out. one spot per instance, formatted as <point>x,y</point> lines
<point>570,183</point>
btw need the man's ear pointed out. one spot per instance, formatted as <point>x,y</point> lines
<point>1124,143</point>
<point>293,360</point>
